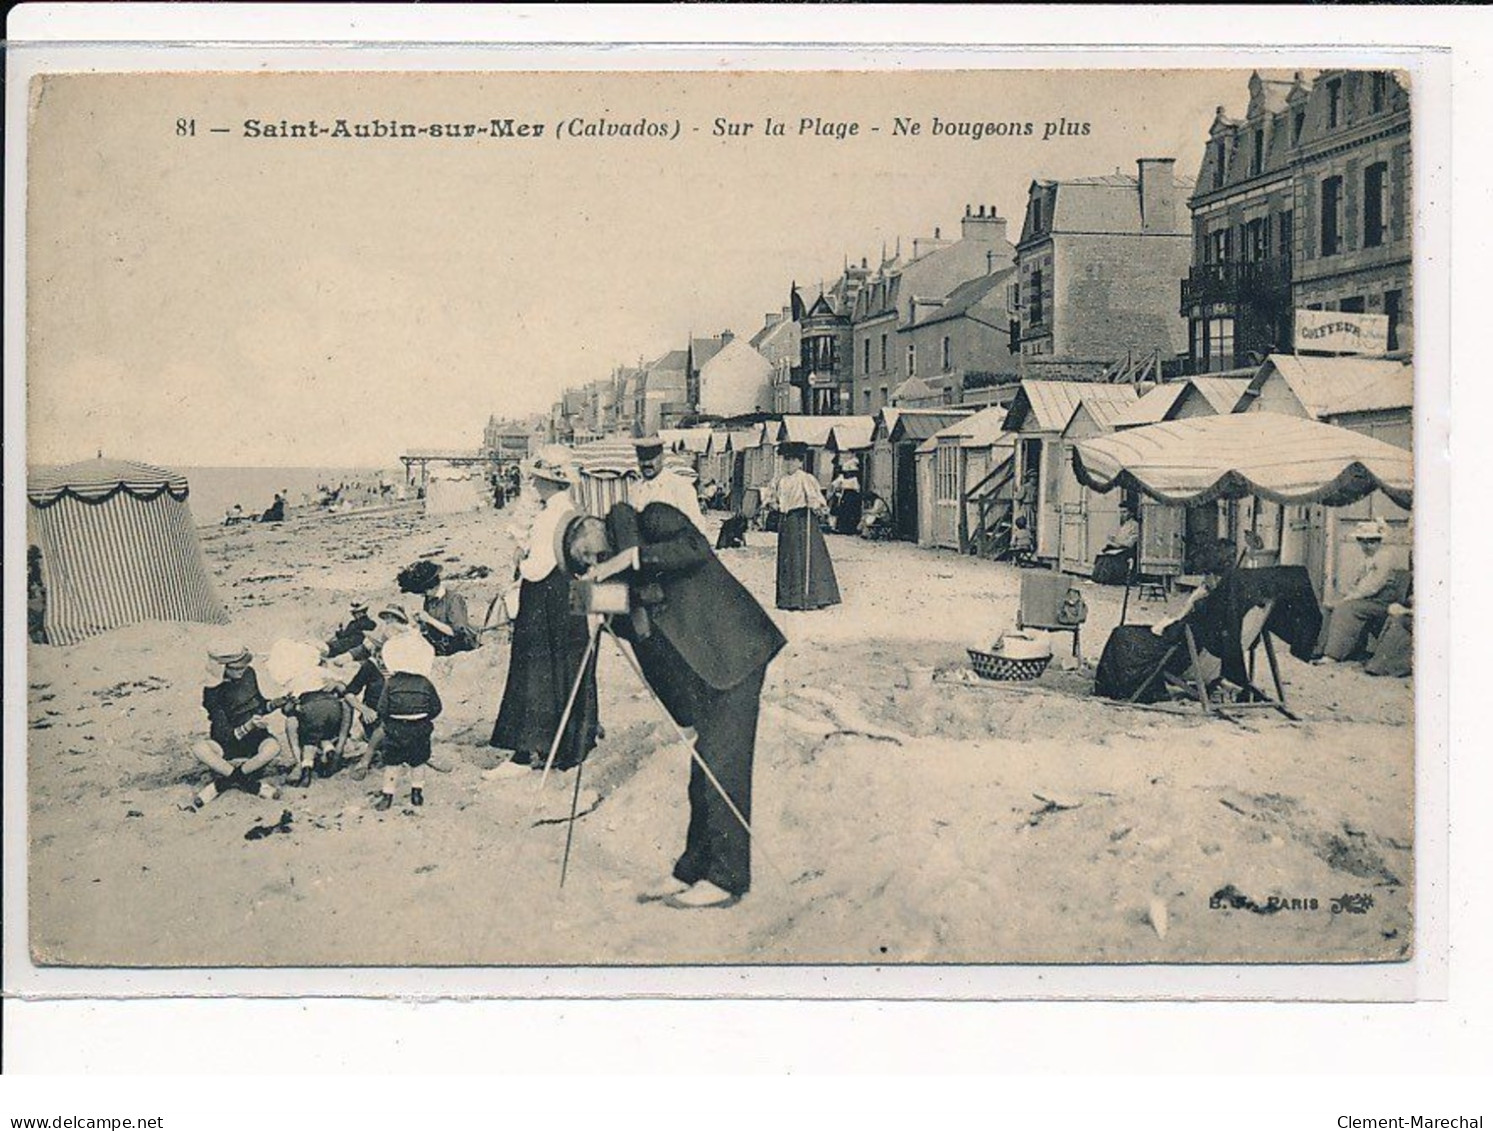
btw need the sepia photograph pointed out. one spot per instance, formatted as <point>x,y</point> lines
<point>637,518</point>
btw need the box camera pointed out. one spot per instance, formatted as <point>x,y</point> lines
<point>605,598</point>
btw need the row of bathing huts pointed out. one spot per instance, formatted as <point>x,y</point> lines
<point>999,481</point>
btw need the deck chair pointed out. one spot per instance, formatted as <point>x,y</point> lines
<point>1252,638</point>
<point>1042,595</point>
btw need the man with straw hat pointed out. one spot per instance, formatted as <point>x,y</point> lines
<point>1361,609</point>
<point>548,644</point>
<point>239,744</point>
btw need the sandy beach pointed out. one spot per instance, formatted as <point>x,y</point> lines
<point>902,816</point>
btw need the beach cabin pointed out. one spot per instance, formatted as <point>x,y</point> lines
<point>1038,416</point>
<point>892,455</point>
<point>813,432</point>
<point>1204,525</point>
<point>1371,395</point>
<point>964,476</point>
<point>716,463</point>
<point>1089,518</point>
<point>851,442</point>
<point>1208,396</point>
<point>754,468</point>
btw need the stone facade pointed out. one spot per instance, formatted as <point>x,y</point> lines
<point>1303,203</point>
<point>1098,266</point>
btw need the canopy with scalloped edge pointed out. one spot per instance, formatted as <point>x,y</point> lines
<point>1285,459</point>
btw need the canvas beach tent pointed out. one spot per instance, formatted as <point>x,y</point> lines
<point>603,470</point>
<point>118,546</point>
<point>451,490</point>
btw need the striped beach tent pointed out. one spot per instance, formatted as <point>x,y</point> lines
<point>118,546</point>
<point>604,470</point>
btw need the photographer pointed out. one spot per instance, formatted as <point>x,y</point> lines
<point>704,644</point>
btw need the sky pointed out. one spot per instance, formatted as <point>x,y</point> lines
<point>201,298</point>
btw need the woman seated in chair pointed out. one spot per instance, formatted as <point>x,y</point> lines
<point>1112,564</point>
<point>1128,669</point>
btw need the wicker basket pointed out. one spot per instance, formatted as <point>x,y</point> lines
<point>990,666</point>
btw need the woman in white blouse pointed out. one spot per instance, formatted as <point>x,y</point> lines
<point>549,644</point>
<point>806,576</point>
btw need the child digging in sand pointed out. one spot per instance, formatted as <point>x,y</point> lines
<point>239,744</point>
<point>407,708</point>
<point>369,681</point>
<point>318,720</point>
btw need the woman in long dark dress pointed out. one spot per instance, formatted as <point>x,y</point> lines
<point>847,494</point>
<point>806,576</point>
<point>548,646</point>
<point>1133,651</point>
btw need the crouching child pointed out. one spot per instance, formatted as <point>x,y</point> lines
<point>363,690</point>
<point>317,724</point>
<point>239,745</point>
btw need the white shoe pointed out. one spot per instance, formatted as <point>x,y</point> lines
<point>701,895</point>
<point>505,770</point>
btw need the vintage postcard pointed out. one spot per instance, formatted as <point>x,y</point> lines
<point>615,518</point>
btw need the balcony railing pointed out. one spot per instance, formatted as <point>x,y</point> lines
<point>1265,280</point>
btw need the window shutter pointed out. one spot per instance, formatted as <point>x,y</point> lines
<point>1352,234</point>
<point>1398,187</point>
<point>1306,226</point>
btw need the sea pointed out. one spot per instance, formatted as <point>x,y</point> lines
<point>215,489</point>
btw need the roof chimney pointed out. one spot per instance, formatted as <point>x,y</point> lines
<point>983,226</point>
<point>1158,194</point>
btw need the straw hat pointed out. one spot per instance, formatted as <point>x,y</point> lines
<point>648,446</point>
<point>551,463</point>
<point>225,654</point>
<point>1372,531</point>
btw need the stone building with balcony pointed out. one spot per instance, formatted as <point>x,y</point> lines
<point>1301,204</point>
<point>1236,296</point>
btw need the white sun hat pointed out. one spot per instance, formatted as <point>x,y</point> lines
<point>408,652</point>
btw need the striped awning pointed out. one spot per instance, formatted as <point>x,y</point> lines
<point>613,456</point>
<point>1269,455</point>
<point>117,549</point>
<point>95,480</point>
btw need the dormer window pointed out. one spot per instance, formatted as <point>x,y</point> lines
<point>1220,158</point>
<point>1334,104</point>
<point>1036,214</point>
<point>1257,158</point>
<point>1376,92</point>
<point>1298,123</point>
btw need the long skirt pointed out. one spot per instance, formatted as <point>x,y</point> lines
<point>1130,659</point>
<point>548,643</point>
<point>848,513</point>
<point>806,576</point>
